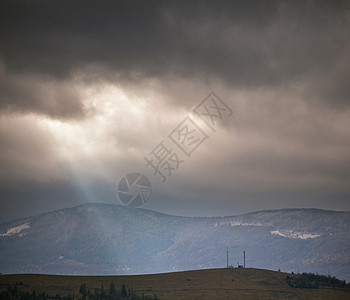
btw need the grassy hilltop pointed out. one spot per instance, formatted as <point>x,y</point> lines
<point>201,284</point>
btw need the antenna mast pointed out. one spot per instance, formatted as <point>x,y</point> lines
<point>244,259</point>
<point>227,257</point>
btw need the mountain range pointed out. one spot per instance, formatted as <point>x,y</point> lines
<point>113,239</point>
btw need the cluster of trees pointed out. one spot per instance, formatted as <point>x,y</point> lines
<point>112,293</point>
<point>313,281</point>
<point>13,293</point>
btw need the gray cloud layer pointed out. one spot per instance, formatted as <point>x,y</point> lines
<point>244,43</point>
<point>284,65</point>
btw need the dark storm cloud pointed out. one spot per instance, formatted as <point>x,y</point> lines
<point>246,41</point>
<point>61,37</point>
<point>243,43</point>
<point>40,95</point>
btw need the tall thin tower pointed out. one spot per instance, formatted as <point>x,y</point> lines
<point>244,259</point>
<point>227,257</point>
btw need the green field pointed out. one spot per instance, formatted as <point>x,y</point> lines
<point>201,284</point>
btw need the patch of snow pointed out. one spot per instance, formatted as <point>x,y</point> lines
<point>295,235</point>
<point>16,230</point>
<point>276,232</point>
<point>236,223</point>
<point>123,269</point>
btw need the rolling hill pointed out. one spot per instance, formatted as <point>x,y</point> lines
<point>201,284</point>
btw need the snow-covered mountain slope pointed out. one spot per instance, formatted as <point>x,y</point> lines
<point>113,239</point>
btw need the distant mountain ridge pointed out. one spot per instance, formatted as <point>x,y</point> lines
<point>113,239</point>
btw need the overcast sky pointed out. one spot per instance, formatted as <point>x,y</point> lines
<point>89,89</point>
